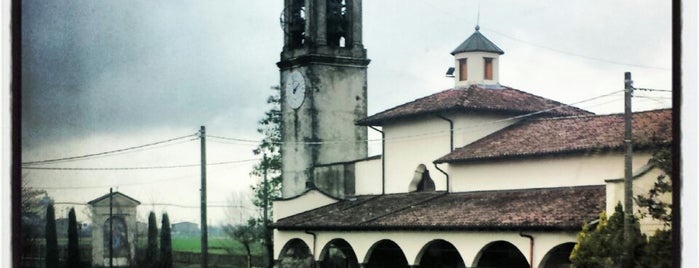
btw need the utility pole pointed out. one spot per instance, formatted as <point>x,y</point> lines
<point>265,201</point>
<point>111,235</point>
<point>204,232</point>
<point>628,167</point>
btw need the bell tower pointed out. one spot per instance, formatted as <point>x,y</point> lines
<point>323,79</point>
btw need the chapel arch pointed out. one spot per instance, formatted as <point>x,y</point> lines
<point>295,253</point>
<point>421,182</point>
<point>119,237</point>
<point>385,254</point>
<point>439,253</point>
<point>558,256</point>
<point>500,254</point>
<point>338,254</point>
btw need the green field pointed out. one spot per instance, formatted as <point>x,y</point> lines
<point>217,245</point>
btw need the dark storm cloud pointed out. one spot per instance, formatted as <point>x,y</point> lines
<point>92,67</point>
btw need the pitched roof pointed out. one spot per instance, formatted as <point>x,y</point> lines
<point>477,42</point>
<point>546,136</point>
<point>115,194</point>
<point>475,98</point>
<point>565,208</point>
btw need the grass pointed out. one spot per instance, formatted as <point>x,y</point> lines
<point>217,245</point>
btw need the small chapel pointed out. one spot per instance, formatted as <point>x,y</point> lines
<point>478,175</point>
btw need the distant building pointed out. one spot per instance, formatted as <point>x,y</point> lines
<point>185,228</point>
<point>480,175</point>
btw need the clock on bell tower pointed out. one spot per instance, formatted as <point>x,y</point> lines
<point>323,78</point>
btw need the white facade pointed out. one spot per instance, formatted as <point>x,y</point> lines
<point>468,244</point>
<point>476,69</point>
<point>542,172</point>
<point>409,144</point>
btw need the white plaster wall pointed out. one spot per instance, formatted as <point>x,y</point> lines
<point>472,127</point>
<point>367,177</point>
<point>425,139</point>
<point>409,144</point>
<point>540,172</point>
<point>308,201</point>
<point>641,186</point>
<point>469,244</point>
<point>476,68</point>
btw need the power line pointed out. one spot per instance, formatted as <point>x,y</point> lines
<point>118,185</point>
<point>104,153</point>
<point>433,132</point>
<point>578,55</point>
<point>141,168</point>
<point>257,141</point>
<point>650,89</point>
<point>161,204</point>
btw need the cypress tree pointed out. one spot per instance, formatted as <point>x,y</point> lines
<point>165,243</point>
<point>152,249</point>
<point>73,248</point>
<point>51,238</point>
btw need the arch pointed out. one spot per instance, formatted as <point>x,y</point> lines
<point>337,22</point>
<point>386,254</point>
<point>558,256</point>
<point>439,253</point>
<point>500,254</point>
<point>338,254</point>
<point>119,237</point>
<point>421,181</point>
<point>295,253</point>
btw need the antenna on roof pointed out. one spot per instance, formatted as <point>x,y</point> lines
<point>478,17</point>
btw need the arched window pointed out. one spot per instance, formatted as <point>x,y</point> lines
<point>338,254</point>
<point>558,256</point>
<point>421,182</point>
<point>501,254</point>
<point>386,253</point>
<point>295,254</point>
<point>297,23</point>
<point>440,253</point>
<point>337,22</point>
<point>119,238</point>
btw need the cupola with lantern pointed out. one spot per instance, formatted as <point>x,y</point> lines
<point>476,61</point>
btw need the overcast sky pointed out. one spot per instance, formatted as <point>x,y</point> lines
<point>103,75</point>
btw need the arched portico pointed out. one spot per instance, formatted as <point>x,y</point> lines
<point>558,256</point>
<point>500,254</point>
<point>439,253</point>
<point>338,254</point>
<point>385,254</point>
<point>295,253</point>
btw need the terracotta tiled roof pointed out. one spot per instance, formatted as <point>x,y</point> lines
<point>475,98</point>
<point>547,136</point>
<point>564,208</point>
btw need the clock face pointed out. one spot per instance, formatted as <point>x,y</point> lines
<point>295,89</point>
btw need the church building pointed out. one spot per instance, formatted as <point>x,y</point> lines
<point>479,175</point>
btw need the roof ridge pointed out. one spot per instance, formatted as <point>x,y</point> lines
<point>602,115</point>
<point>557,103</point>
<point>591,186</point>
<point>405,207</point>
